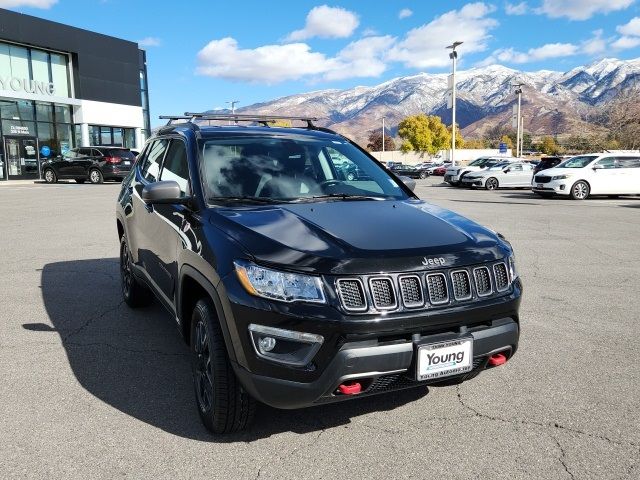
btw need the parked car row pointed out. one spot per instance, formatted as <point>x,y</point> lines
<point>577,177</point>
<point>95,164</point>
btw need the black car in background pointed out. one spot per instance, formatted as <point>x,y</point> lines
<point>409,171</point>
<point>95,164</point>
<point>546,162</point>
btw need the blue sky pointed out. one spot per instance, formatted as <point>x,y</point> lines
<point>202,54</point>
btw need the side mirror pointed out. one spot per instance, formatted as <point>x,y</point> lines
<point>507,170</point>
<point>409,182</point>
<point>164,192</point>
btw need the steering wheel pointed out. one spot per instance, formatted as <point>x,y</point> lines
<point>329,183</point>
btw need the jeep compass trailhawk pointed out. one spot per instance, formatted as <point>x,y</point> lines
<point>295,286</point>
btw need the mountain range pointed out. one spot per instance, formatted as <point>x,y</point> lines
<point>552,102</point>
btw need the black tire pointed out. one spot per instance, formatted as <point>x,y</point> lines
<point>80,180</point>
<point>50,176</point>
<point>424,174</point>
<point>580,190</point>
<point>491,183</point>
<point>134,293</point>
<point>95,176</point>
<point>224,406</point>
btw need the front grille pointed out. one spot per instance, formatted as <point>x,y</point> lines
<point>382,293</point>
<point>543,179</point>
<point>502,277</point>
<point>461,285</point>
<point>483,281</point>
<point>396,381</point>
<point>437,287</point>
<point>411,291</point>
<point>352,294</point>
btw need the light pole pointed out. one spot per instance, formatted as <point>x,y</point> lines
<point>518,92</point>
<point>453,56</point>
<point>233,105</point>
<point>383,135</point>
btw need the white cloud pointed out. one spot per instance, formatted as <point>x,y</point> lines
<point>150,42</point>
<point>550,50</point>
<point>327,22</point>
<point>631,29</point>
<point>45,4</point>
<point>624,43</point>
<point>424,47</point>
<point>404,13</point>
<point>516,8</point>
<point>293,61</point>
<point>581,9</point>
<point>595,44</point>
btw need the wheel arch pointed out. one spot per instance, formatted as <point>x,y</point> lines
<point>193,286</point>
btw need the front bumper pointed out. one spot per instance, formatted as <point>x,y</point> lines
<point>472,182</point>
<point>379,367</point>
<point>451,178</point>
<point>558,187</point>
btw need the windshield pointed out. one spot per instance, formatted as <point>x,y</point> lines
<point>577,162</point>
<point>292,168</point>
<point>479,162</point>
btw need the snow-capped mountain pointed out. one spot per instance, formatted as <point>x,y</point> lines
<point>553,102</point>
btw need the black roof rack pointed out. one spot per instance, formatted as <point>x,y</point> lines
<point>236,117</point>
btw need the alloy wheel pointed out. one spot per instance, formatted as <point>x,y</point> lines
<point>125,269</point>
<point>204,371</point>
<point>48,176</point>
<point>94,176</point>
<point>580,190</point>
<point>491,184</point>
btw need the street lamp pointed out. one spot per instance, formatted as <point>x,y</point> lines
<point>233,105</point>
<point>453,56</point>
<point>383,135</point>
<point>518,92</point>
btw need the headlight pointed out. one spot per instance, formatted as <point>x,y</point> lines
<point>560,177</point>
<point>276,285</point>
<point>513,273</point>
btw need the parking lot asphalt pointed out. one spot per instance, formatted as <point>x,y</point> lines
<point>92,389</point>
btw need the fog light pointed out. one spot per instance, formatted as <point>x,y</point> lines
<point>266,344</point>
<point>284,346</point>
<point>561,187</point>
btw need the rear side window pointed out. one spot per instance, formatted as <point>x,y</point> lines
<point>628,162</point>
<point>84,152</point>
<point>151,166</point>
<point>121,153</point>
<point>175,165</point>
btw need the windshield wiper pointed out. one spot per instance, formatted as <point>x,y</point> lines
<point>342,196</point>
<point>242,198</point>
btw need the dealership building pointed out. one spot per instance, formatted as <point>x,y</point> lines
<point>63,87</point>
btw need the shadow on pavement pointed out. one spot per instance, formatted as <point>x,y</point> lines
<point>137,362</point>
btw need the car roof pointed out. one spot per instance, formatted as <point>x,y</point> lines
<point>220,131</point>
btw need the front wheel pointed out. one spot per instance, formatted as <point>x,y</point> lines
<point>223,404</point>
<point>580,190</point>
<point>50,176</point>
<point>491,184</point>
<point>95,176</point>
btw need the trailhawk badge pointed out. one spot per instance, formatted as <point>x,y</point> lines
<point>432,262</point>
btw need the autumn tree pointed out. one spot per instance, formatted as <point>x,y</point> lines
<point>549,146</point>
<point>423,134</point>
<point>375,142</point>
<point>474,143</point>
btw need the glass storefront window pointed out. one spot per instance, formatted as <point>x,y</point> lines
<point>40,66</point>
<point>44,112</point>
<point>59,75</point>
<point>17,127</point>
<point>5,59</point>
<point>129,138</point>
<point>16,109</point>
<point>63,113</point>
<point>105,136</point>
<point>117,136</point>
<point>19,61</point>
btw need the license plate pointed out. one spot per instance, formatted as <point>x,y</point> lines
<point>540,185</point>
<point>443,359</point>
<point>126,162</point>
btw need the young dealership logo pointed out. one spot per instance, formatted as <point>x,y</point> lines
<point>29,86</point>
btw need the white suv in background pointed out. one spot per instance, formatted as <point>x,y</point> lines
<point>453,175</point>
<point>595,174</point>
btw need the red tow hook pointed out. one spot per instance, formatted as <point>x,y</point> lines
<point>350,388</point>
<point>497,359</point>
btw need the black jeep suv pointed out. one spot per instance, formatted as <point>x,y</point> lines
<point>294,286</point>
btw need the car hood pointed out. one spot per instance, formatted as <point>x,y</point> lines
<point>550,172</point>
<point>358,236</point>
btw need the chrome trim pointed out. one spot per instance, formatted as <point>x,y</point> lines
<point>475,281</point>
<point>364,294</point>
<point>454,288</point>
<point>420,287</point>
<point>446,288</point>
<point>506,272</point>
<point>393,290</point>
<point>312,339</point>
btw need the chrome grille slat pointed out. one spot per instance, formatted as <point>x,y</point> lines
<point>502,276</point>
<point>351,293</point>
<point>461,284</point>
<point>437,288</point>
<point>383,294</point>
<point>411,291</point>
<point>482,278</point>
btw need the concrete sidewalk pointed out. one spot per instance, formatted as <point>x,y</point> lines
<point>20,182</point>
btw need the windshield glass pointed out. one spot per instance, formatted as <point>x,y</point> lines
<point>479,162</point>
<point>577,162</point>
<point>291,168</point>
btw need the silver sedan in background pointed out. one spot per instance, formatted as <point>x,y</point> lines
<point>505,175</point>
